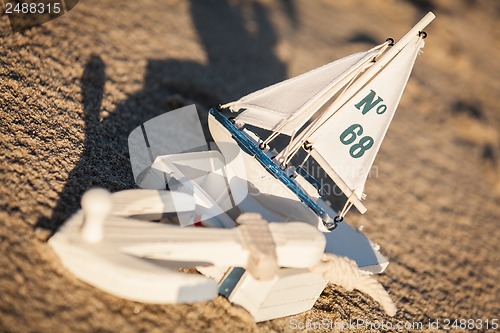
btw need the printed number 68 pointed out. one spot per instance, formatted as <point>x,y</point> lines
<point>350,135</point>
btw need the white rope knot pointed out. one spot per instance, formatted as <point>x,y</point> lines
<point>344,272</point>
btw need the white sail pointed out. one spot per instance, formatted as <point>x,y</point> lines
<point>286,106</point>
<point>347,143</point>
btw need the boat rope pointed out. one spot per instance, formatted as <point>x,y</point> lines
<point>285,161</point>
<point>345,272</point>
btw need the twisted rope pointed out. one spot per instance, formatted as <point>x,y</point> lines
<point>345,272</point>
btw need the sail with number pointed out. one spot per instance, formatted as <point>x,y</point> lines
<point>286,106</point>
<point>347,143</point>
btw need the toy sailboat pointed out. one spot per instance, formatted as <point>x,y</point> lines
<point>337,114</point>
<point>113,245</point>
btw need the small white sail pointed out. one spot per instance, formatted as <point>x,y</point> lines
<point>286,106</point>
<point>347,143</point>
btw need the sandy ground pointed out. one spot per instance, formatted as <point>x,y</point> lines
<point>73,89</point>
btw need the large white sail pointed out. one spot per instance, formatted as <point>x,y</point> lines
<point>347,143</point>
<point>286,106</point>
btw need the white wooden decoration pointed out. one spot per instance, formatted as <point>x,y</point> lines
<point>251,248</point>
<point>137,259</point>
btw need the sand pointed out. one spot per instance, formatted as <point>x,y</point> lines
<point>73,89</point>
